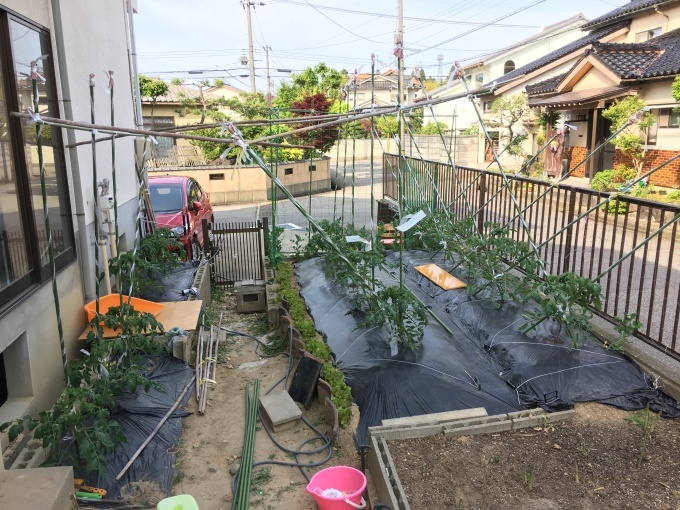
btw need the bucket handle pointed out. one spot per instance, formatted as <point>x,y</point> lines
<point>359,506</point>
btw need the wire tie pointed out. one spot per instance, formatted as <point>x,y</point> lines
<point>35,117</point>
<point>153,140</point>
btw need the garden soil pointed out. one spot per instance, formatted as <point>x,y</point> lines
<point>587,462</point>
<point>211,444</point>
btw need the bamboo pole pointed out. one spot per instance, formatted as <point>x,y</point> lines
<point>217,346</point>
<point>155,431</point>
<point>206,375</point>
<point>105,128</point>
<point>199,363</point>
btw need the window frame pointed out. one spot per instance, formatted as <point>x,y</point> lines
<point>38,274</point>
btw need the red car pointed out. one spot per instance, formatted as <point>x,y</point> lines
<point>181,205</point>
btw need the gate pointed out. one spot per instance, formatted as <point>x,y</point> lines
<point>235,251</point>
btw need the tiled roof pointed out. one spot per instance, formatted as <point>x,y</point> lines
<point>657,57</point>
<point>625,12</point>
<point>580,98</point>
<point>626,60</point>
<point>545,86</point>
<point>560,52</point>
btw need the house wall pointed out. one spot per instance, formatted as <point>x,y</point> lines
<point>168,110</point>
<point>94,38</point>
<point>652,20</point>
<point>236,184</point>
<point>593,79</point>
<point>668,176</point>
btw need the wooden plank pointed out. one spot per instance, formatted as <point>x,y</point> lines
<point>439,277</point>
<point>181,314</point>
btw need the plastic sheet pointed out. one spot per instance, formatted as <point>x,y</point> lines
<point>446,373</point>
<point>486,363</point>
<point>169,288</point>
<point>138,414</point>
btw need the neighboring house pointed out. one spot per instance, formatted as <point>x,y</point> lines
<point>630,50</point>
<point>494,66</point>
<point>385,85</point>
<point>642,62</point>
<point>77,37</point>
<point>165,112</point>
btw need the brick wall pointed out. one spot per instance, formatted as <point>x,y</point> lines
<point>575,156</point>
<point>668,176</point>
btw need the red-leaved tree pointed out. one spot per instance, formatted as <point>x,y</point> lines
<point>321,139</point>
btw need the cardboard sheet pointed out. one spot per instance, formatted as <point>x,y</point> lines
<point>181,314</point>
<point>439,277</point>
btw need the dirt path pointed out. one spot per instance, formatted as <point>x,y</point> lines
<point>211,444</point>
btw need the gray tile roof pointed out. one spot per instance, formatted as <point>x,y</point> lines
<point>657,57</point>
<point>560,52</point>
<point>626,12</point>
<point>545,86</point>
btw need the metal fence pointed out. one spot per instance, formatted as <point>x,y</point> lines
<point>236,251</point>
<point>645,284</point>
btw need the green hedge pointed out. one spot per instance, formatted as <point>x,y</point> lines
<point>342,395</point>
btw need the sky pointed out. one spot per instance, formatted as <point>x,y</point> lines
<point>175,37</point>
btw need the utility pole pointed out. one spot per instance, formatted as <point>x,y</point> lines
<point>251,60</point>
<point>399,53</point>
<point>269,83</point>
<point>440,61</point>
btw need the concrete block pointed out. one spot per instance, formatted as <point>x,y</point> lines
<point>250,297</point>
<point>181,347</point>
<point>541,419</point>
<point>391,434</point>
<point>482,428</point>
<point>280,411</point>
<point>434,418</point>
<point>43,488</point>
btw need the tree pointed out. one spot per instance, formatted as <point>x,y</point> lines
<point>510,112</point>
<point>153,88</point>
<point>433,129</point>
<point>633,139</point>
<point>200,105</point>
<point>675,89</point>
<point>311,80</point>
<point>321,139</point>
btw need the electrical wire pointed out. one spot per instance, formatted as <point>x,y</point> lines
<point>535,2</point>
<point>320,436</point>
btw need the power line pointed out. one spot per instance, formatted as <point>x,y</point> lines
<point>338,24</point>
<point>394,16</point>
<point>536,2</point>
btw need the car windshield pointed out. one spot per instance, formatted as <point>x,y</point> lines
<point>166,197</point>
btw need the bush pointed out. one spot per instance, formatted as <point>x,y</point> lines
<point>674,196</point>
<point>342,395</point>
<point>611,180</point>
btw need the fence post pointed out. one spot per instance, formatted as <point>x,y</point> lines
<point>568,237</point>
<point>480,204</point>
<point>260,253</point>
<point>265,231</point>
<point>207,245</point>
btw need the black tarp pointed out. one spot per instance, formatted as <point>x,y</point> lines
<point>487,362</point>
<point>138,414</point>
<point>170,287</point>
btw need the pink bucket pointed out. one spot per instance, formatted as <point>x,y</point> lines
<point>338,488</point>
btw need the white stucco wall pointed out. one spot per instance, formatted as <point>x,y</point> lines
<point>94,39</point>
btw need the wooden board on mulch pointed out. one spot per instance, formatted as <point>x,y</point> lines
<point>588,462</point>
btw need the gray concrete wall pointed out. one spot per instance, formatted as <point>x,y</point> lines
<point>430,146</point>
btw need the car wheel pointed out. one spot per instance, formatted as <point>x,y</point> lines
<point>195,251</point>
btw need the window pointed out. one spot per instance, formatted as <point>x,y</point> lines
<point>312,168</point>
<point>24,259</point>
<point>288,171</point>
<point>653,130</point>
<point>479,80</point>
<point>195,192</point>
<point>487,106</point>
<point>165,144</point>
<point>648,34</point>
<point>508,67</point>
<point>669,118</point>
<point>216,177</point>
